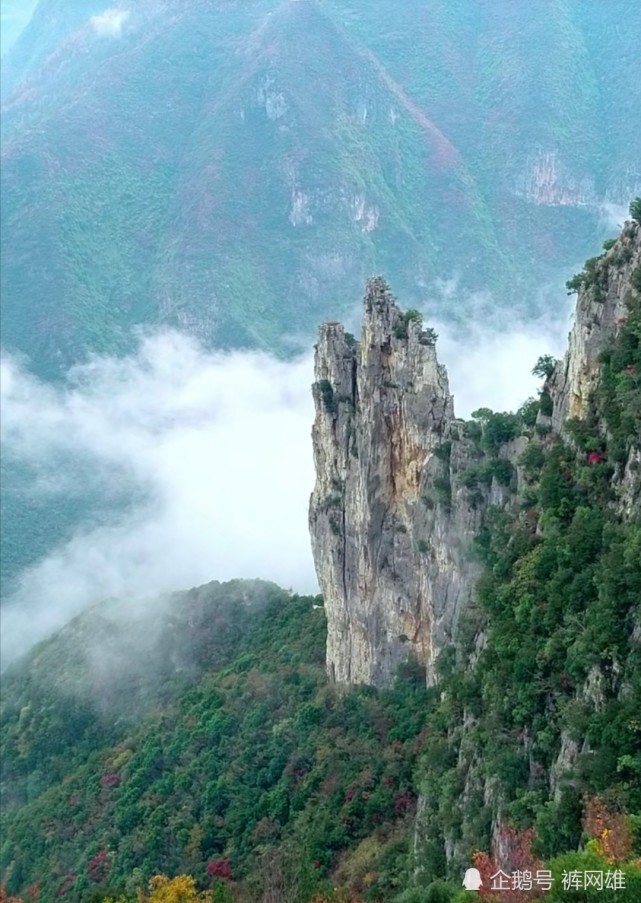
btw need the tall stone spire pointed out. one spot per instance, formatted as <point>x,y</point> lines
<point>390,525</point>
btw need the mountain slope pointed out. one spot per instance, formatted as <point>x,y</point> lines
<point>201,734</point>
<point>141,219</point>
<point>238,170</point>
<point>15,14</point>
<point>503,554</point>
<point>543,713</point>
<point>246,764</point>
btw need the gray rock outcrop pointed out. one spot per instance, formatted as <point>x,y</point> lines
<point>394,511</point>
<point>600,310</point>
<point>390,520</point>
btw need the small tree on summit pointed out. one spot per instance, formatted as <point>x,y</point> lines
<point>544,367</point>
<point>635,210</point>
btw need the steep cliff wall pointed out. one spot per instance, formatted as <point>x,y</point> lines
<point>608,292</point>
<point>600,311</point>
<point>398,496</point>
<point>606,287</point>
<point>391,520</point>
<point>552,658</point>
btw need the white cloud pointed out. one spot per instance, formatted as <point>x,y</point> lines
<point>488,367</point>
<point>214,451</point>
<point>109,23</point>
<point>221,446</point>
<point>489,354</point>
<point>613,216</point>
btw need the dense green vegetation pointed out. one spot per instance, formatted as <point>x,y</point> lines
<point>211,772</point>
<point>553,640</point>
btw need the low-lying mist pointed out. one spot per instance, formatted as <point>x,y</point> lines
<point>213,453</point>
<point>215,450</point>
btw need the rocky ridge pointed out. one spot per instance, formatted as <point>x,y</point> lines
<point>599,312</point>
<point>402,485</point>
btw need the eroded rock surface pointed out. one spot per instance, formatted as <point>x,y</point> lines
<point>390,521</point>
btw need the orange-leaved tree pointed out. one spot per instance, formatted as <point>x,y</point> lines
<point>161,889</point>
<point>609,830</point>
<point>5,898</point>
<point>181,889</point>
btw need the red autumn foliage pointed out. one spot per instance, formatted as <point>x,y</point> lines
<point>420,740</point>
<point>403,803</point>
<point>220,868</point>
<point>98,868</point>
<point>566,681</point>
<point>110,780</point>
<point>596,457</point>
<point>350,794</point>
<point>512,854</point>
<point>5,898</point>
<point>330,784</point>
<point>487,868</point>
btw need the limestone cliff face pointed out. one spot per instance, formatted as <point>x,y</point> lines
<point>599,312</point>
<point>390,521</point>
<point>394,512</point>
<point>548,180</point>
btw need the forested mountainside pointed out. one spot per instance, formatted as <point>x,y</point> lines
<point>242,741</point>
<point>237,170</point>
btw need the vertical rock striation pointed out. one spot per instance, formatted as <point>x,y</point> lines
<point>390,521</point>
<point>394,509</point>
<point>403,487</point>
<point>600,310</point>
